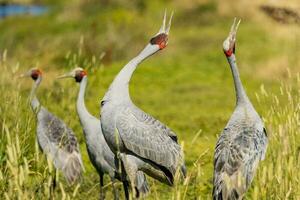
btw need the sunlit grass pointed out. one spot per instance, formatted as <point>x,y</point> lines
<point>278,177</point>
<point>26,173</point>
<point>190,85</point>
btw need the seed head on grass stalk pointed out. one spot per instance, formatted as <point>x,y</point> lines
<point>279,177</point>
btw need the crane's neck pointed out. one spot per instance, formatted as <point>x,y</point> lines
<point>35,104</point>
<point>119,90</point>
<point>82,112</point>
<point>241,96</point>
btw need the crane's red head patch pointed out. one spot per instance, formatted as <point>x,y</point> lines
<point>35,73</point>
<point>79,74</point>
<point>161,40</point>
<point>230,51</point>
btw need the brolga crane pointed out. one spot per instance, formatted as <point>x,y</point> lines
<point>140,141</point>
<point>243,142</point>
<point>55,139</point>
<point>99,152</point>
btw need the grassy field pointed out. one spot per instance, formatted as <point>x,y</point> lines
<point>188,86</point>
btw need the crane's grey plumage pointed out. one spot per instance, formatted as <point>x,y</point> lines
<point>141,142</point>
<point>243,142</point>
<point>99,152</point>
<point>54,138</point>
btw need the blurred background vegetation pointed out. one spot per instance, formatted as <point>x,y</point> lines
<point>188,86</point>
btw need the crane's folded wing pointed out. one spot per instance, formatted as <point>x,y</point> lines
<point>56,131</point>
<point>148,139</point>
<point>151,121</point>
<point>239,152</point>
<point>59,142</point>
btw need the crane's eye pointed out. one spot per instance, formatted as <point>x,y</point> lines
<point>161,40</point>
<point>79,75</point>
<point>35,74</point>
<point>230,51</point>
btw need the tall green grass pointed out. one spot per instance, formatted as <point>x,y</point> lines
<point>189,82</point>
<point>278,177</point>
<point>27,174</point>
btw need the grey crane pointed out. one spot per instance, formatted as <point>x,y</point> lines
<point>99,152</point>
<point>243,142</point>
<point>55,139</point>
<point>140,141</point>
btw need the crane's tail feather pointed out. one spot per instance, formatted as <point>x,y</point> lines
<point>233,194</point>
<point>141,183</point>
<point>73,168</point>
<point>183,170</point>
<point>221,191</point>
<point>218,197</point>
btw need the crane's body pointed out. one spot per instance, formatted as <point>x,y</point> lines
<point>99,153</point>
<point>154,151</point>
<point>140,141</point>
<point>101,156</point>
<point>55,139</point>
<point>243,142</point>
<point>240,147</point>
<point>58,141</point>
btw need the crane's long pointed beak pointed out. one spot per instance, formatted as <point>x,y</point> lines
<point>165,28</point>
<point>68,75</point>
<point>21,76</point>
<point>27,74</point>
<point>170,22</point>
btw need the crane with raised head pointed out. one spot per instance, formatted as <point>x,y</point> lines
<point>55,139</point>
<point>99,152</point>
<point>242,143</point>
<point>139,140</point>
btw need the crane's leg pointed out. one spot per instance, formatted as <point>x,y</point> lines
<point>115,190</point>
<point>53,185</point>
<point>137,193</point>
<point>126,191</point>
<point>122,175</point>
<point>130,171</point>
<point>54,179</point>
<point>125,182</point>
<point>102,195</point>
